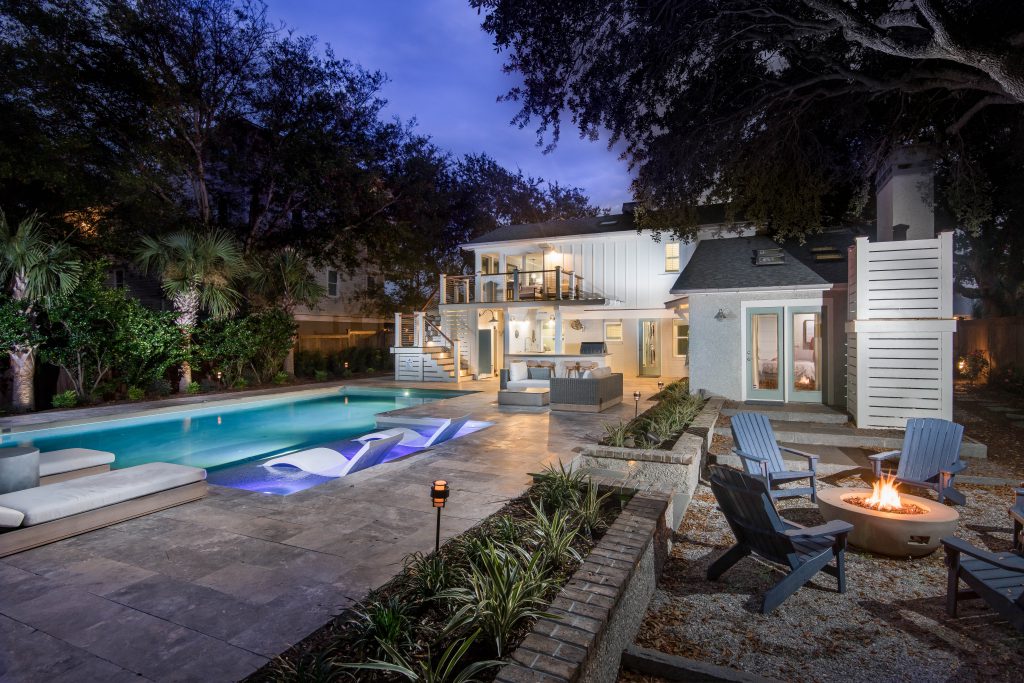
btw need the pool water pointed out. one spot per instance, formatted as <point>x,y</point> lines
<point>234,432</point>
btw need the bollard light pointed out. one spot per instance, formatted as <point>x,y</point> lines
<point>661,385</point>
<point>636,399</point>
<point>438,495</point>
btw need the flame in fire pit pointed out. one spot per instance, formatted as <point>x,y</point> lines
<point>884,495</point>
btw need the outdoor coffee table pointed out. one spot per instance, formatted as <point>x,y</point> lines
<point>534,396</point>
<point>19,468</point>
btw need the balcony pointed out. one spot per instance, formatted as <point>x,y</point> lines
<point>515,286</point>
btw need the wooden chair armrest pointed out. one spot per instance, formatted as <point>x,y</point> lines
<point>1013,564</point>
<point>958,466</point>
<point>887,455</point>
<point>836,527</point>
<point>809,456</point>
<point>748,456</point>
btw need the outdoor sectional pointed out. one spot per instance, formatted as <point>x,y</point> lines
<point>44,514</point>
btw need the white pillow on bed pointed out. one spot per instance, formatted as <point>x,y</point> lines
<point>517,371</point>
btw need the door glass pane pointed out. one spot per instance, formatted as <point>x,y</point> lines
<point>806,352</point>
<point>765,354</point>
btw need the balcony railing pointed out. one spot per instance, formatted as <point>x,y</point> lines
<point>515,285</point>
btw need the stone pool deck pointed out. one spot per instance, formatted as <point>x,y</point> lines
<point>210,590</point>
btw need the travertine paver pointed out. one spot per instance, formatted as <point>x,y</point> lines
<point>209,590</point>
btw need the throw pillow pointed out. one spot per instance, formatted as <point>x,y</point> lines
<point>517,371</point>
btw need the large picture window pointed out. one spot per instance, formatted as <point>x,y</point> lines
<point>672,257</point>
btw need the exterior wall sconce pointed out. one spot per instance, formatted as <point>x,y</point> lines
<point>636,400</point>
<point>438,495</point>
<point>720,316</point>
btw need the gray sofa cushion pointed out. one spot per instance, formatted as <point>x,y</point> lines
<point>539,373</point>
<point>70,459</point>
<point>66,498</point>
<point>10,518</point>
<point>527,384</point>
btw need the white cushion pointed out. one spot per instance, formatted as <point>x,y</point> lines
<point>528,384</point>
<point>599,372</point>
<point>66,498</point>
<point>517,371</point>
<point>587,374</point>
<point>9,517</point>
<point>70,459</point>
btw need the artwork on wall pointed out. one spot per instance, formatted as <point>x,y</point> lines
<point>576,325</point>
<point>809,334</point>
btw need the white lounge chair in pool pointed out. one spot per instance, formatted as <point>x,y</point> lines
<point>71,463</point>
<point>327,462</point>
<point>44,514</point>
<point>410,437</point>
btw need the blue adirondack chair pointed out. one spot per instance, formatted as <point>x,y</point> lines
<point>1017,515</point>
<point>748,506</point>
<point>762,455</point>
<point>996,578</point>
<point>930,457</point>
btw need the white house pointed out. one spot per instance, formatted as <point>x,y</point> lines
<point>844,319</point>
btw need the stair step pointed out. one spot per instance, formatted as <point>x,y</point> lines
<point>816,413</point>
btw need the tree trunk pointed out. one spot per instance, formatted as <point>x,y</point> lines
<point>289,360</point>
<point>186,377</point>
<point>23,371</point>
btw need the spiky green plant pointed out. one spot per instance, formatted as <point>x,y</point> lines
<point>617,434</point>
<point>427,670</point>
<point>553,536</point>
<point>590,515</point>
<point>318,667</point>
<point>431,574</point>
<point>506,587</point>
<point>384,621</point>
<point>559,487</point>
<point>506,529</point>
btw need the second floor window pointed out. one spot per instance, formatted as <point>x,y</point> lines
<point>672,257</point>
<point>332,284</point>
<point>489,264</point>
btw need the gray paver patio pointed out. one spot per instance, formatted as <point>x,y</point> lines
<point>211,589</point>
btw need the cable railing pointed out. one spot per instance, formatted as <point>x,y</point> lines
<point>511,286</point>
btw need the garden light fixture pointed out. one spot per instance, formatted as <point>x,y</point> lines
<point>438,494</point>
<point>636,399</point>
<point>661,385</point>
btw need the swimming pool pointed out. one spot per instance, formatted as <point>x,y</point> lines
<point>233,432</point>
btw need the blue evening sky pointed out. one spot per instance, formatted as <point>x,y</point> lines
<point>444,72</point>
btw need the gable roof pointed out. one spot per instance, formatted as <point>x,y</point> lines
<point>582,227</point>
<point>728,264</point>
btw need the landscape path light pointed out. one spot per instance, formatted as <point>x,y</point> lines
<point>438,494</point>
<point>636,399</point>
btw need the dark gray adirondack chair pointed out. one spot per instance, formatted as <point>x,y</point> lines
<point>996,578</point>
<point>762,455</point>
<point>1017,515</point>
<point>930,457</point>
<point>748,507</point>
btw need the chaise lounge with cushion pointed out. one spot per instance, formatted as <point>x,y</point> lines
<point>44,514</point>
<point>330,461</point>
<point>71,463</point>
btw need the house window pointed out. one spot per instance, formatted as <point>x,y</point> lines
<point>489,264</point>
<point>613,331</point>
<point>119,279</point>
<point>332,284</point>
<point>371,283</point>
<point>672,257</point>
<point>680,339</point>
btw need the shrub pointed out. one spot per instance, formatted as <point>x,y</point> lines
<point>553,537</point>
<point>160,387</point>
<point>617,434</point>
<point>973,366</point>
<point>136,393</point>
<point>66,399</point>
<point>1008,378</point>
<point>321,375</point>
<point>431,575</point>
<point>506,529</point>
<point>281,377</point>
<point>240,383</point>
<point>590,514</point>
<point>384,622</point>
<point>207,385</point>
<point>194,388</point>
<point>559,487</point>
<point>429,669</point>
<point>257,343</point>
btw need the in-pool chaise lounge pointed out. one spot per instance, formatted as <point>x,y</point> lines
<point>410,437</point>
<point>71,463</point>
<point>44,514</point>
<point>329,462</point>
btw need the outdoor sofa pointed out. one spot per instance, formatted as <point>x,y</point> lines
<point>599,389</point>
<point>44,514</point>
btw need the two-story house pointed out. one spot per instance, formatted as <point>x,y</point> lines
<point>858,316</point>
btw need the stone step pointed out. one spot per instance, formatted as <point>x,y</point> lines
<point>789,412</point>
<point>809,433</point>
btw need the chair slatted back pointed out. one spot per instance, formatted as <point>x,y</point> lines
<point>753,434</point>
<point>748,507</point>
<point>930,445</point>
<point>373,453</point>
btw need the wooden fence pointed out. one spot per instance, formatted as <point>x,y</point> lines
<point>1001,339</point>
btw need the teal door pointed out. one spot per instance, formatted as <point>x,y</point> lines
<point>765,354</point>
<point>485,351</point>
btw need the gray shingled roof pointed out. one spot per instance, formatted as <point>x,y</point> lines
<point>594,225</point>
<point>728,263</point>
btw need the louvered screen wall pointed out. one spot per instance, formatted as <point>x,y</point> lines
<point>900,334</point>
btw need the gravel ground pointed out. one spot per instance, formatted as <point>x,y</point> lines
<point>1003,436</point>
<point>889,626</point>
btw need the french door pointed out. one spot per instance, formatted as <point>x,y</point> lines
<point>784,354</point>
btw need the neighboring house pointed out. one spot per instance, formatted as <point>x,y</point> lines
<point>340,321</point>
<point>742,316</point>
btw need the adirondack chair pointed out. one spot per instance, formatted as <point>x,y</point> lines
<point>996,578</point>
<point>930,457</point>
<point>746,502</point>
<point>762,455</point>
<point>1017,515</point>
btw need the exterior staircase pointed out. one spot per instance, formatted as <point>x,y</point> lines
<point>425,351</point>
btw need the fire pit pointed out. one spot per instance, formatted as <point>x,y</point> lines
<point>889,522</point>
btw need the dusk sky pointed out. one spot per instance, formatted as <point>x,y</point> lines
<point>443,71</point>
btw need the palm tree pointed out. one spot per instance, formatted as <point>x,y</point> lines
<point>197,271</point>
<point>33,269</point>
<point>284,279</point>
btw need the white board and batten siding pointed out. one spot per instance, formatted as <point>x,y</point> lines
<point>900,331</point>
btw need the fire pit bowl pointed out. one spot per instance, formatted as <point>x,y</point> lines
<point>890,533</point>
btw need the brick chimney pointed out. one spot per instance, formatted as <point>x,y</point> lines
<point>905,192</point>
